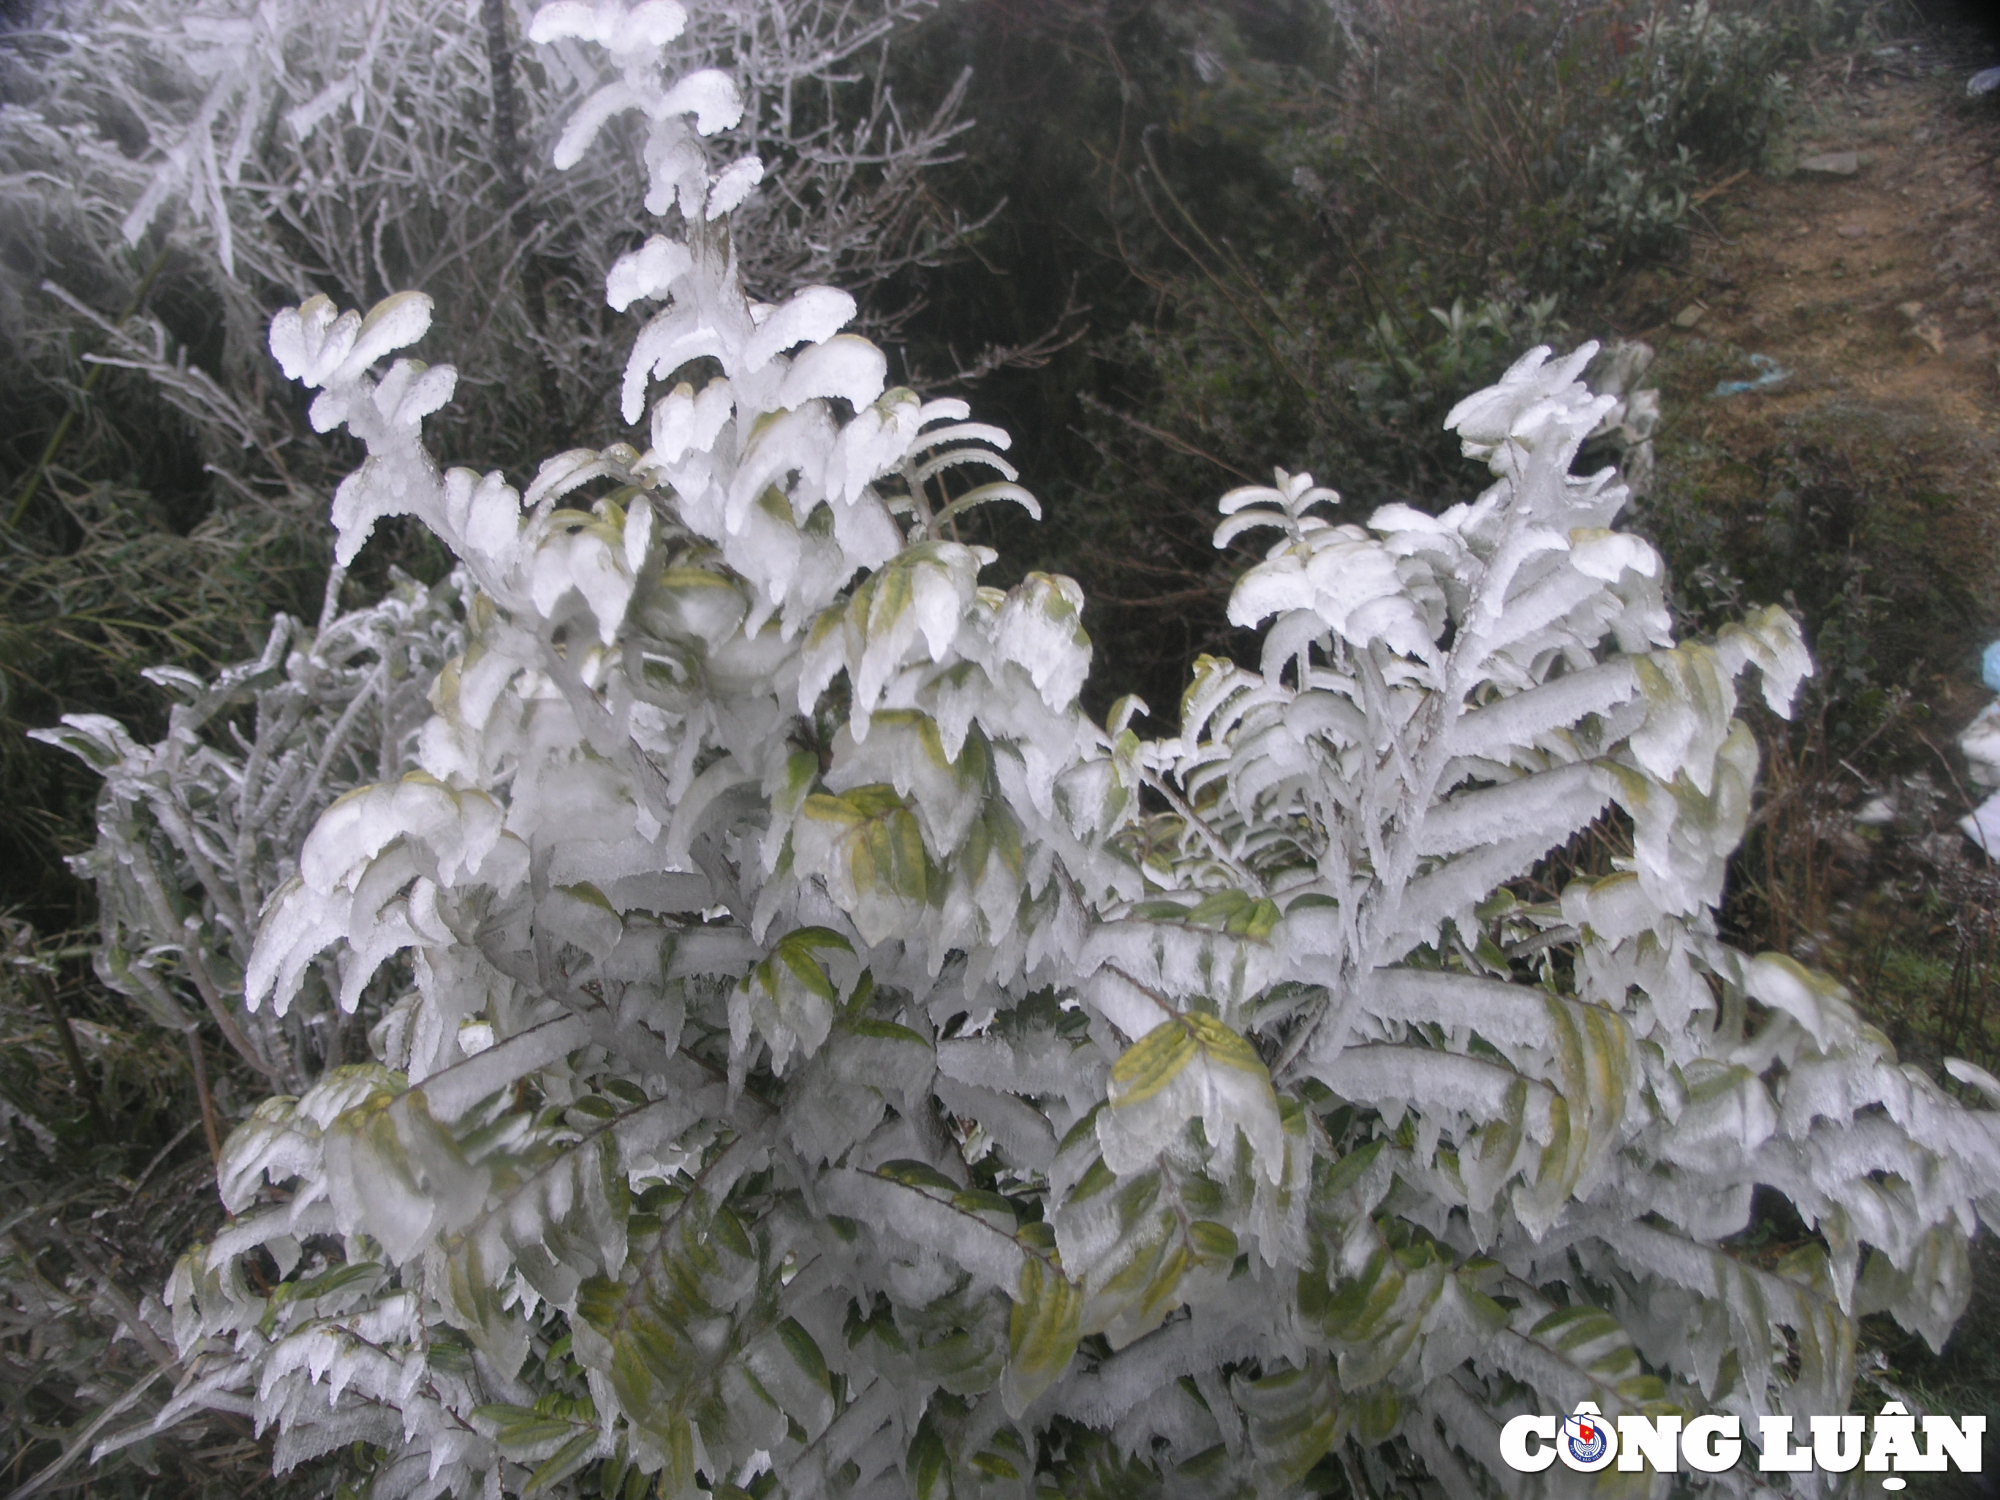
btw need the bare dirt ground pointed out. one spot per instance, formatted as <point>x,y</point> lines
<point>1880,283</point>
<point>1872,468</point>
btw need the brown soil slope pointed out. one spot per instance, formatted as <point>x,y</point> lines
<point>1867,481</point>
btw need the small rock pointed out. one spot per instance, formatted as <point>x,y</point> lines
<point>1852,231</point>
<point>1839,163</point>
<point>1922,325</point>
<point>1690,315</point>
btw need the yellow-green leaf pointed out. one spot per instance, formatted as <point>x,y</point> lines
<point>1042,1333</point>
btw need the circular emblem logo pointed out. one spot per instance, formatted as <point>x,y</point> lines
<point>1585,1436</point>
<point>1587,1442</point>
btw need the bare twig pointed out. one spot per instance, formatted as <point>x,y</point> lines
<point>1173,441</point>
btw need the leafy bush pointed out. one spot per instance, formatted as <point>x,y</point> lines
<point>817,1057</point>
<point>1561,146</point>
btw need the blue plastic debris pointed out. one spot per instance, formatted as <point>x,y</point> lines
<point>1983,83</point>
<point>1769,373</point>
<point>1989,667</point>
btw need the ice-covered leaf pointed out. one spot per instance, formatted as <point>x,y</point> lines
<point>807,317</point>
<point>649,271</point>
<point>1190,1067</point>
<point>390,324</point>
<point>867,846</point>
<point>1042,1333</point>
